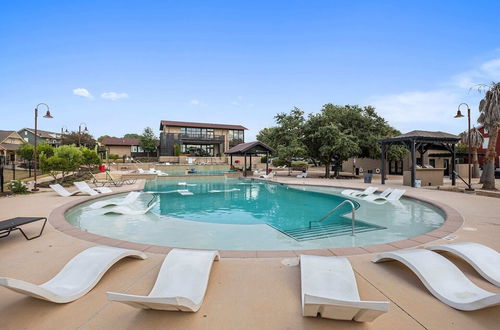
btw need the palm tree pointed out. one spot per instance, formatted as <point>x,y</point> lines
<point>476,139</point>
<point>489,117</point>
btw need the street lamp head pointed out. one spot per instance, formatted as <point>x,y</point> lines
<point>459,114</point>
<point>48,115</point>
<point>85,130</point>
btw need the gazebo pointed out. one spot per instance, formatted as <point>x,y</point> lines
<point>421,141</point>
<point>250,149</point>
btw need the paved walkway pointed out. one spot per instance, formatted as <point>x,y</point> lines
<point>246,293</point>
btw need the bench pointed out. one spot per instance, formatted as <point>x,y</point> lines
<point>8,226</point>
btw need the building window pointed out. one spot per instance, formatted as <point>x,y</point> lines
<point>198,132</point>
<point>236,135</point>
<point>136,149</point>
<point>485,142</point>
<point>200,150</point>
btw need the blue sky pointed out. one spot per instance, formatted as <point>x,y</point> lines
<point>120,66</point>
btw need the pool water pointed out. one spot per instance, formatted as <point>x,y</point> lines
<point>241,214</point>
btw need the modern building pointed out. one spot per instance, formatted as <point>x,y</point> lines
<point>10,141</point>
<point>198,139</point>
<point>51,138</point>
<point>128,147</point>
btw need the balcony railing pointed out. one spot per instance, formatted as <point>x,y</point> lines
<point>201,136</point>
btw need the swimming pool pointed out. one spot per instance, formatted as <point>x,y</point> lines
<point>238,214</point>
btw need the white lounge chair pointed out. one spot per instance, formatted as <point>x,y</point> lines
<point>84,187</point>
<point>62,191</point>
<point>302,175</point>
<point>268,176</point>
<point>356,193</point>
<point>485,260</point>
<point>329,288</point>
<point>443,279</point>
<point>77,277</point>
<point>181,283</point>
<point>187,184</point>
<point>223,191</point>
<point>127,210</point>
<point>393,196</point>
<point>129,199</point>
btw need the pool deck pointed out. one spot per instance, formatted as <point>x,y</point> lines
<point>246,291</point>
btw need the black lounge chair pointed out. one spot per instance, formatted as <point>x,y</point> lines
<point>8,226</point>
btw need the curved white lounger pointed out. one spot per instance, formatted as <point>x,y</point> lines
<point>485,260</point>
<point>123,209</point>
<point>62,191</point>
<point>129,199</point>
<point>77,277</point>
<point>443,279</point>
<point>353,192</point>
<point>393,196</point>
<point>181,283</point>
<point>329,288</point>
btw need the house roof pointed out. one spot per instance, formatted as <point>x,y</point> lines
<point>43,134</point>
<point>424,136</point>
<point>10,146</point>
<point>112,141</point>
<point>250,148</point>
<point>198,125</point>
<point>5,134</point>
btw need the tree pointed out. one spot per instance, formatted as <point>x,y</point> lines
<point>46,149</point>
<point>489,117</point>
<point>85,139</point>
<point>66,159</point>
<point>326,143</point>
<point>90,158</point>
<point>26,152</point>
<point>148,140</point>
<point>476,141</point>
<point>132,136</point>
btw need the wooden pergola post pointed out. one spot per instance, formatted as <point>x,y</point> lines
<point>267,162</point>
<point>453,157</point>
<point>413,163</point>
<point>382,165</point>
<point>245,165</point>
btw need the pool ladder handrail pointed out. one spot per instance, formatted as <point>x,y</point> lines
<point>353,215</point>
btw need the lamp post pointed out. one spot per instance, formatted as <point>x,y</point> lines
<point>85,130</point>
<point>64,130</point>
<point>47,115</point>
<point>459,115</point>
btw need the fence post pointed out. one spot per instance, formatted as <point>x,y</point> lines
<point>1,175</point>
<point>13,171</point>
<point>29,168</point>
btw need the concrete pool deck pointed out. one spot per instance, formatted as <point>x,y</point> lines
<point>243,293</point>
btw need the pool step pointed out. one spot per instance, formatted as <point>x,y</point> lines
<point>329,230</point>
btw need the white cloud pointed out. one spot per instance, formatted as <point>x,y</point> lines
<point>433,108</point>
<point>113,96</point>
<point>195,102</point>
<point>82,92</point>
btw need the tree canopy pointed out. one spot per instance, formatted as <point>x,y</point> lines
<point>331,136</point>
<point>85,139</point>
<point>148,140</point>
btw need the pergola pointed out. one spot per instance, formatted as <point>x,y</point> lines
<point>250,149</point>
<point>421,141</point>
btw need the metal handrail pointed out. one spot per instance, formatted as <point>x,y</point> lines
<point>353,214</point>
<point>458,175</point>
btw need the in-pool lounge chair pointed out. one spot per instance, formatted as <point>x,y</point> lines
<point>61,191</point>
<point>127,210</point>
<point>485,260</point>
<point>129,199</point>
<point>393,196</point>
<point>77,277</point>
<point>443,279</point>
<point>9,225</point>
<point>356,193</point>
<point>329,289</point>
<point>181,283</point>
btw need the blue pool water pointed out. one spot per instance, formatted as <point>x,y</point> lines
<point>240,214</point>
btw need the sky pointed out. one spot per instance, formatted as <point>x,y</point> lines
<point>121,66</point>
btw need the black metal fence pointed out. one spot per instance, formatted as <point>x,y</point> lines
<point>14,171</point>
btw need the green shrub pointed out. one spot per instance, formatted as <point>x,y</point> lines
<point>263,160</point>
<point>278,162</point>
<point>299,165</point>
<point>177,150</point>
<point>113,157</point>
<point>17,187</point>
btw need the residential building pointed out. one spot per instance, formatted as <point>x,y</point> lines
<point>51,138</point>
<point>198,139</point>
<point>10,141</point>
<point>128,147</point>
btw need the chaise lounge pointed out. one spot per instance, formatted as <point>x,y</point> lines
<point>8,226</point>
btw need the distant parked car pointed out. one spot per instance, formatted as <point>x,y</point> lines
<point>497,173</point>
